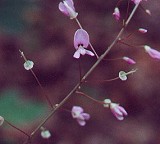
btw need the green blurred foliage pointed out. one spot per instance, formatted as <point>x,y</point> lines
<point>18,110</point>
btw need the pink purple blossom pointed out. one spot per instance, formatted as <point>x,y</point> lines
<point>67,8</point>
<point>118,111</point>
<point>142,30</point>
<point>81,41</point>
<point>137,1</point>
<point>129,60</point>
<point>152,52</point>
<point>77,113</point>
<point>116,13</point>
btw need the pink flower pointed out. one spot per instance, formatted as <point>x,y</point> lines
<point>81,41</point>
<point>152,52</point>
<point>142,30</point>
<point>116,13</point>
<point>67,7</point>
<point>77,113</point>
<point>136,1</point>
<point>129,60</point>
<point>118,111</point>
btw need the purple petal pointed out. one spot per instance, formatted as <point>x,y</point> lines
<point>70,3</point>
<point>129,60</point>
<point>63,9</point>
<point>76,54</point>
<point>89,53</point>
<point>81,122</point>
<point>77,109</point>
<point>116,111</point>
<point>119,117</point>
<point>152,52</point>
<point>123,110</point>
<point>81,37</point>
<point>86,116</point>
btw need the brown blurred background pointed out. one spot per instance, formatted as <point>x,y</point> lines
<point>45,35</point>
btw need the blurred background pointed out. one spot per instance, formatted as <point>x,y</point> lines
<point>45,35</point>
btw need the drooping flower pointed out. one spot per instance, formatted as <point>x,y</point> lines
<point>67,8</point>
<point>28,65</point>
<point>123,75</point>
<point>142,30</point>
<point>116,13</point>
<point>77,113</point>
<point>129,60</point>
<point>45,133</point>
<point>152,52</point>
<point>81,41</point>
<point>1,120</point>
<point>118,111</point>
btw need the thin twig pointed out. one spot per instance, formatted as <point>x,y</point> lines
<point>17,129</point>
<point>87,96</point>
<point>87,74</point>
<point>46,96</point>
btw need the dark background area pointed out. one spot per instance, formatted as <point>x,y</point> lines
<point>45,35</point>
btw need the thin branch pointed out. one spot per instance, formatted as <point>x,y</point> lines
<point>17,129</point>
<point>87,74</point>
<point>42,89</point>
<point>87,96</point>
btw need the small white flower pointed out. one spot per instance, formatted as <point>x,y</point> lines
<point>122,75</point>
<point>28,65</point>
<point>45,134</point>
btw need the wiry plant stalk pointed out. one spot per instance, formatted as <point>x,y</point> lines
<point>87,73</point>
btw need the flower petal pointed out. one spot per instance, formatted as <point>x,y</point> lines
<point>70,3</point>
<point>116,13</point>
<point>129,60</point>
<point>81,37</point>
<point>152,52</point>
<point>67,7</point>
<point>89,53</point>
<point>86,116</point>
<point>63,9</point>
<point>76,111</point>
<point>76,54</point>
<point>81,122</point>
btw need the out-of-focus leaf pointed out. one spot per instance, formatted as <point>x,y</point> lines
<point>19,110</point>
<point>11,14</point>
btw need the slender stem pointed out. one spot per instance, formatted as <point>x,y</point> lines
<point>126,44</point>
<point>86,75</point>
<point>101,81</point>
<point>42,89</point>
<point>79,24</point>
<point>80,71</point>
<point>127,12</point>
<point>113,59</point>
<point>17,129</point>
<point>87,96</point>
<point>46,96</point>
